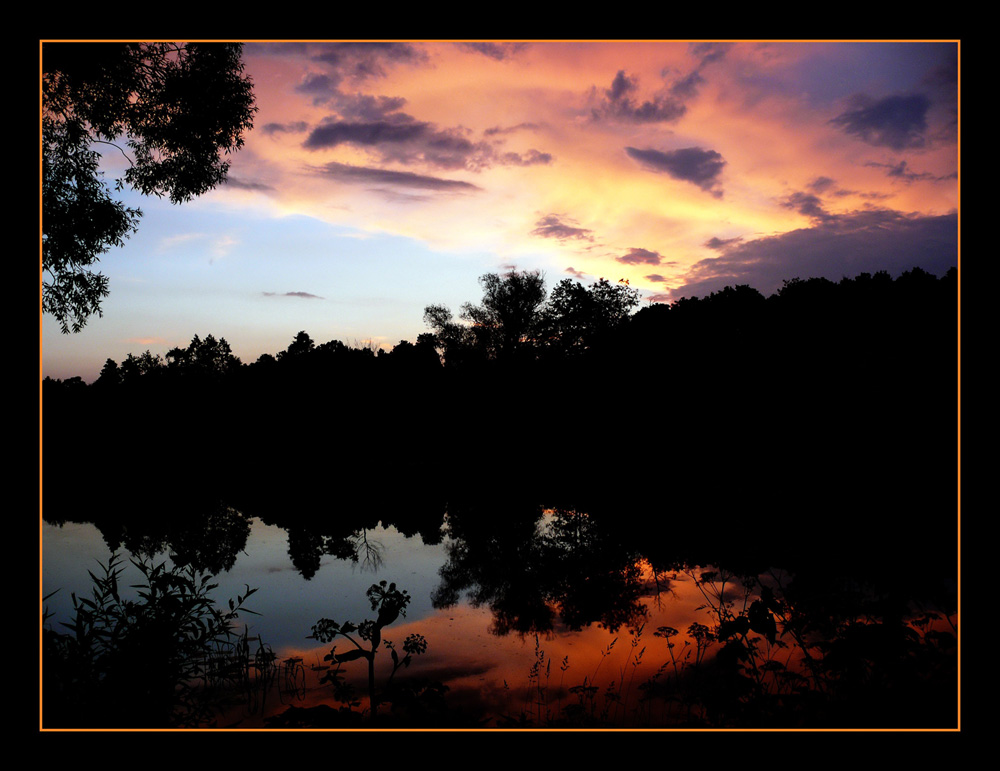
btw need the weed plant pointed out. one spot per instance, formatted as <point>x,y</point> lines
<point>170,658</point>
<point>365,639</point>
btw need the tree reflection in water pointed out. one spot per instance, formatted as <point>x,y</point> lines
<point>817,648</point>
<point>809,647</point>
<point>306,548</point>
<point>539,567</point>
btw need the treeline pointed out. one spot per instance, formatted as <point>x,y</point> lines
<point>857,322</point>
<point>518,325</point>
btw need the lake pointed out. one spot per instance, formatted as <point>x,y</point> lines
<point>546,618</point>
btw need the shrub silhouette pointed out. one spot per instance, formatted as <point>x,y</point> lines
<point>146,663</point>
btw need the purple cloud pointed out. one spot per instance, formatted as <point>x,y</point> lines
<point>835,247</point>
<point>691,164</point>
<point>551,226</point>
<point>636,256</point>
<point>897,122</point>
<point>618,104</point>
<point>343,172</point>
<point>302,295</point>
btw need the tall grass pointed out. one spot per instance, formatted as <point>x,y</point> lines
<point>161,655</point>
<point>761,660</point>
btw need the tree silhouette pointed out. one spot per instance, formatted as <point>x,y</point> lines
<point>300,345</point>
<point>204,357</point>
<point>455,340</point>
<point>141,366</point>
<point>110,375</point>
<point>577,316</point>
<point>507,321</point>
<point>504,326</point>
<point>178,109</point>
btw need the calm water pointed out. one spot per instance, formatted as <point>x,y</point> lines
<point>490,673</point>
<point>531,617</point>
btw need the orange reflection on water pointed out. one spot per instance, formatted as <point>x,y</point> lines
<point>499,678</point>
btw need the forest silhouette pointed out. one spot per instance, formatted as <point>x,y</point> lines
<point>847,387</point>
<point>815,429</point>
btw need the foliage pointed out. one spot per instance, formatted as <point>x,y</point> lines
<point>178,109</point>
<point>204,357</point>
<point>506,322</point>
<point>390,603</point>
<point>81,220</point>
<point>576,316</point>
<point>783,660</point>
<point>456,341</point>
<point>150,662</point>
<point>504,326</point>
<point>136,367</point>
<point>110,375</point>
<point>516,320</point>
<point>301,345</point>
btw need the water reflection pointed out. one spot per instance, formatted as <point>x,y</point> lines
<point>562,617</point>
<point>206,534</point>
<point>536,570</point>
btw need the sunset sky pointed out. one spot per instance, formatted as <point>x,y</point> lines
<point>383,177</point>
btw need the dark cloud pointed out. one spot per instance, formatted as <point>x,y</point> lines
<point>902,171</point>
<point>242,184</point>
<point>371,121</point>
<point>326,90</point>
<point>376,123</point>
<point>551,226</point>
<point>362,60</point>
<point>404,141</point>
<point>687,87</point>
<point>618,104</point>
<point>343,172</point>
<point>897,122</point>
<point>621,86</point>
<point>350,59</point>
<point>530,158</point>
<point>942,82</point>
<point>835,247</point>
<point>318,85</point>
<point>691,164</point>
<point>708,53</point>
<point>297,127</point>
<point>370,133</point>
<point>448,149</point>
<point>365,107</point>
<point>495,130</point>
<point>498,51</point>
<point>303,295</point>
<point>806,203</point>
<point>656,278</point>
<point>345,62</point>
<point>636,256</point>
<point>287,48</point>
<point>575,273</point>
<point>722,243</point>
<point>821,184</point>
